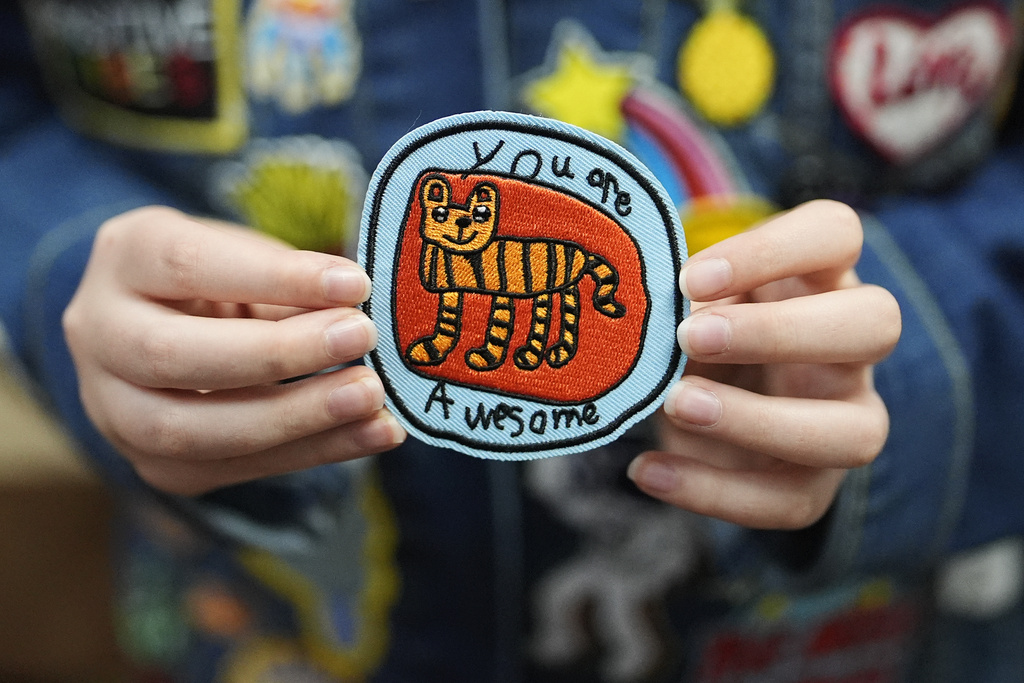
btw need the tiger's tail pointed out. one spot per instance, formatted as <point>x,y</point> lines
<point>607,280</point>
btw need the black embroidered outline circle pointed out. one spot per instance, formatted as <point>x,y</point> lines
<point>525,128</point>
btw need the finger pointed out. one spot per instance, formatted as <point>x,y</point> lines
<point>219,309</point>
<point>811,432</point>
<point>158,348</point>
<point>842,326</point>
<point>792,497</point>
<point>374,434</point>
<point>187,259</point>
<point>699,446</point>
<point>822,238</point>
<point>194,426</point>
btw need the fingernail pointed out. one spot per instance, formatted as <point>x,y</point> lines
<point>356,399</point>
<point>653,476</point>
<point>704,279</point>
<point>346,284</point>
<point>704,334</point>
<point>382,432</point>
<point>690,403</point>
<point>351,337</point>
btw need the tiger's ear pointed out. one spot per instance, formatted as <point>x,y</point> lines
<point>484,193</point>
<point>435,191</point>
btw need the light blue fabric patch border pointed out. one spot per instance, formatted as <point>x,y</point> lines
<point>481,421</point>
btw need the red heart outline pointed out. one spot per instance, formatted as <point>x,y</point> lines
<point>924,23</point>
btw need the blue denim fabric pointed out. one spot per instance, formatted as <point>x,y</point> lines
<point>949,478</point>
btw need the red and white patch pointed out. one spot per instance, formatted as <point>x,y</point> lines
<point>857,644</point>
<point>907,81</point>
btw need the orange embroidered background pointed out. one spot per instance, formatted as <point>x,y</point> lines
<point>607,347</point>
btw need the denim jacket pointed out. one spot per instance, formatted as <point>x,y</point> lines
<point>427,565</point>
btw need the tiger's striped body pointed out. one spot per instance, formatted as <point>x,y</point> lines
<point>461,254</point>
<point>507,266</point>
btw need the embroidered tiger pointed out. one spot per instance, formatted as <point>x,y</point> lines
<point>463,253</point>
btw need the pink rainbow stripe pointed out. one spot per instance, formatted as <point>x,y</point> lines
<point>698,164</point>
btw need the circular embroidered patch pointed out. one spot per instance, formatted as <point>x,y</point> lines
<point>524,285</point>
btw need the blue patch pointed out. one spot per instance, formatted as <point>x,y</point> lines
<point>524,285</point>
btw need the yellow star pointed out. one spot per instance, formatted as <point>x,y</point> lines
<point>583,90</point>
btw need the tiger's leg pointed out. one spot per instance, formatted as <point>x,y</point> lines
<point>564,349</point>
<point>433,349</point>
<point>499,331</point>
<point>530,355</point>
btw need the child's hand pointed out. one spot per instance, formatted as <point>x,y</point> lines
<point>181,332</point>
<point>778,399</point>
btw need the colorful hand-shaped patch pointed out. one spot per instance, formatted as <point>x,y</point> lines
<point>303,53</point>
<point>524,288</point>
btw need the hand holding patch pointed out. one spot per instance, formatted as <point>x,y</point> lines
<point>779,400</point>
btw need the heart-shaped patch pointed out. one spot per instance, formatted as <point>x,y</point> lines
<point>908,81</point>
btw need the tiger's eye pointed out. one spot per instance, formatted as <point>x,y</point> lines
<point>481,214</point>
<point>439,214</point>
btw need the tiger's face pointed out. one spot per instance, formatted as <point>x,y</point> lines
<point>460,228</point>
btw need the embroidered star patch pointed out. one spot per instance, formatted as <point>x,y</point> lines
<point>583,85</point>
<point>524,285</point>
